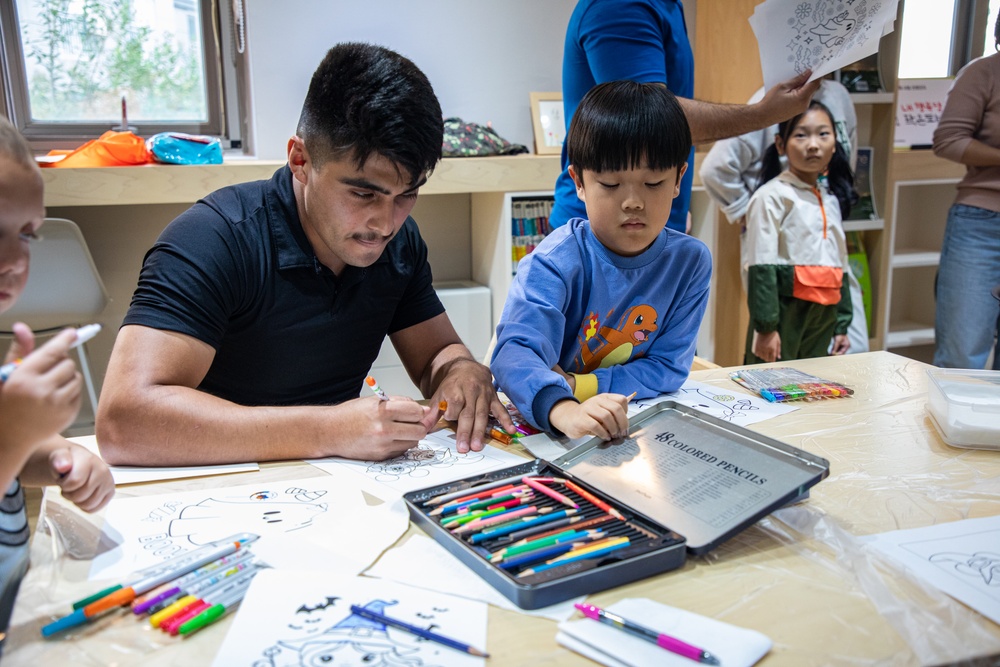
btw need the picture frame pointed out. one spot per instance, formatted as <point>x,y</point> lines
<point>548,122</point>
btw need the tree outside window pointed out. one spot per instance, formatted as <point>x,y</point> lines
<point>82,56</point>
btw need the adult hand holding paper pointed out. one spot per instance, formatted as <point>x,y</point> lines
<point>822,35</point>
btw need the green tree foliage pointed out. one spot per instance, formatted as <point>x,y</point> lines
<point>85,61</point>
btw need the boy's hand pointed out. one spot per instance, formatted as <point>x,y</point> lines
<point>604,415</point>
<point>42,396</point>
<point>767,346</point>
<point>83,477</point>
<point>841,344</point>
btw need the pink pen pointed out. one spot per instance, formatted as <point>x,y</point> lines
<point>663,641</point>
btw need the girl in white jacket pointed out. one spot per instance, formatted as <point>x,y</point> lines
<point>797,288</point>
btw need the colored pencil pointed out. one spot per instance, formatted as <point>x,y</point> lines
<point>575,536</point>
<point>551,493</point>
<point>513,549</point>
<point>420,632</point>
<point>445,497</point>
<point>502,518</point>
<point>572,557</point>
<point>594,499</point>
<point>507,529</point>
<point>582,522</point>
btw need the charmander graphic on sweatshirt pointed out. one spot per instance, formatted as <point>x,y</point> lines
<point>604,346</point>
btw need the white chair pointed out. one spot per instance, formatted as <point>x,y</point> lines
<point>63,290</point>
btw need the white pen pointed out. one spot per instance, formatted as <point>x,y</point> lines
<point>83,334</point>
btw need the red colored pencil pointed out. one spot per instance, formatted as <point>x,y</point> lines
<point>595,500</point>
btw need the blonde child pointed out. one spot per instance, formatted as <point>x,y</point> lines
<point>609,306</point>
<point>797,289</point>
<point>41,397</point>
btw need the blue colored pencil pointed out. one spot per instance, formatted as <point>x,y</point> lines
<point>512,527</point>
<point>573,559</point>
<point>420,632</point>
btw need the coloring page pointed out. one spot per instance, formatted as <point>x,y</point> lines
<point>962,558</point>
<point>731,406</point>
<point>434,461</point>
<point>442,572</point>
<point>821,35</point>
<point>319,518</point>
<point>293,618</point>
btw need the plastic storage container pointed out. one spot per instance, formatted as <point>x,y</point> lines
<point>965,406</point>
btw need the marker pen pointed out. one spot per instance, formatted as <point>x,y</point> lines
<point>83,334</point>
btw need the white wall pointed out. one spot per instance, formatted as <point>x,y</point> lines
<point>483,58</point>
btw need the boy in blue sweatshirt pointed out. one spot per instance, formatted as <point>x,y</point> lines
<point>609,306</point>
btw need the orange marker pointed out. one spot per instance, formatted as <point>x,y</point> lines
<point>503,437</point>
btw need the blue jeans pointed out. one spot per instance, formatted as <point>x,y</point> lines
<point>967,315</point>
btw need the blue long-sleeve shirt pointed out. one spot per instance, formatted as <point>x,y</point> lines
<point>630,322</point>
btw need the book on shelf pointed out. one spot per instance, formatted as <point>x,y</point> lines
<point>529,225</point>
<point>864,208</point>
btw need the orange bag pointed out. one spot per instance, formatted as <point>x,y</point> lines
<point>819,284</point>
<point>111,149</point>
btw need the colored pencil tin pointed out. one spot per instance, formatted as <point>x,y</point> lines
<point>682,482</point>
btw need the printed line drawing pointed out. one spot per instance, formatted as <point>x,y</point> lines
<point>982,566</point>
<point>352,640</point>
<point>416,462</point>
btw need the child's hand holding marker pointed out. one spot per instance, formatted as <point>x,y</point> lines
<point>41,387</point>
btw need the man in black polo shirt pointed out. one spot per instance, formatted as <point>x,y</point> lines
<point>260,309</point>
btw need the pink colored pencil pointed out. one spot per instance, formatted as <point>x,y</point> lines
<point>555,495</point>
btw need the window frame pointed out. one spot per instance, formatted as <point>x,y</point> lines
<point>48,135</point>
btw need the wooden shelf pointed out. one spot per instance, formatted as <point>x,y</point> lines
<point>864,225</point>
<point>922,167</point>
<point>173,184</point>
<point>909,334</point>
<point>872,98</point>
<point>915,258</point>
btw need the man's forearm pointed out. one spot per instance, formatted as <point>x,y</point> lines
<point>710,121</point>
<point>184,426</point>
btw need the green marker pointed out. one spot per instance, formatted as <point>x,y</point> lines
<point>222,607</point>
<point>79,604</point>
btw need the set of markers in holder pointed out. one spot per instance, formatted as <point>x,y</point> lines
<point>788,384</point>
<point>530,524</point>
<point>180,595</point>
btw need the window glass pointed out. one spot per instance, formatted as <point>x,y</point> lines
<point>925,45</point>
<point>82,56</point>
<point>990,43</point>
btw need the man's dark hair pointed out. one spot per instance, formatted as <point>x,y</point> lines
<point>14,146</point>
<point>627,125</point>
<point>365,100</point>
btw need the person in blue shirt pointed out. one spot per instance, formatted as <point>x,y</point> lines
<point>610,305</point>
<point>647,41</point>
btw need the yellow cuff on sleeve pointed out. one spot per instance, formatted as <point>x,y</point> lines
<point>586,386</point>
